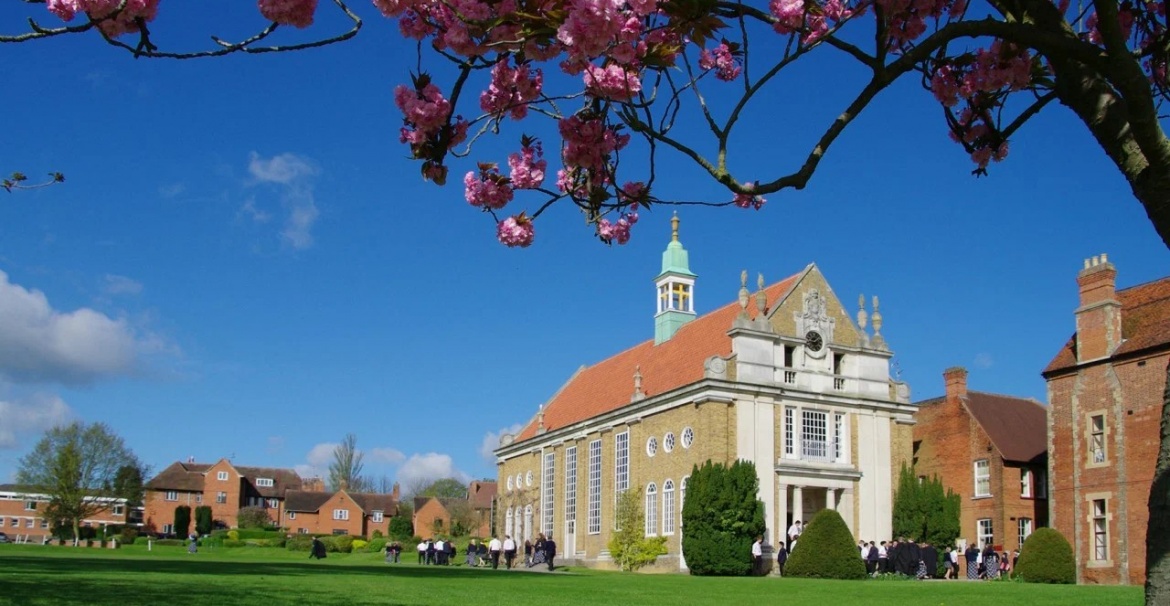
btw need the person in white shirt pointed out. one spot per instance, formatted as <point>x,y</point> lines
<point>509,551</point>
<point>422,552</point>
<point>794,534</point>
<point>494,547</point>
<point>758,556</point>
<point>440,552</point>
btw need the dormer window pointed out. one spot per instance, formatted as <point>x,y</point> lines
<point>264,482</point>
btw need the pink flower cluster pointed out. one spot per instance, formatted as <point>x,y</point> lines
<point>618,231</point>
<point>528,166</point>
<point>511,89</point>
<point>489,189</point>
<point>613,28</point>
<point>907,18</point>
<point>749,200</point>
<point>808,17</point>
<point>722,60</point>
<point>102,12</point>
<point>298,13</point>
<point>612,82</point>
<point>1004,66</point>
<point>426,112</point>
<point>589,142</point>
<point>516,231</point>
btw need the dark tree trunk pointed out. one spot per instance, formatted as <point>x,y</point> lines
<point>1158,530</point>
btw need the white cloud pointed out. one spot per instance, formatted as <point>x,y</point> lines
<point>120,285</point>
<point>491,441</point>
<point>428,468</point>
<point>22,421</point>
<point>254,213</point>
<point>41,344</point>
<point>293,175</point>
<point>388,456</point>
<point>984,360</point>
<point>317,462</point>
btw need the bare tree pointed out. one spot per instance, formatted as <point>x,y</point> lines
<point>346,469</point>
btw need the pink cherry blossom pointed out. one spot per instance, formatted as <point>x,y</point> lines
<point>720,59</point>
<point>516,231</point>
<point>588,142</point>
<point>103,12</point>
<point>488,189</point>
<point>749,200</point>
<point>298,13</point>
<point>612,82</point>
<point>528,167</point>
<point>617,231</point>
<point>511,90</point>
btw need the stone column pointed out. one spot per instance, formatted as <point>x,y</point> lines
<point>830,498</point>
<point>781,514</point>
<point>798,504</point>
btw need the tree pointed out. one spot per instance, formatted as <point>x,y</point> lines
<point>923,511</point>
<point>203,520</point>
<point>721,517</point>
<point>628,545</point>
<point>129,483</point>
<point>346,468</point>
<point>464,518</point>
<point>446,488</point>
<point>825,550</point>
<point>76,466</point>
<point>1046,557</point>
<point>401,527</point>
<point>253,517</point>
<point>183,520</point>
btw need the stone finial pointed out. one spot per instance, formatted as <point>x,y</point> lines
<point>743,294</point>
<point>540,420</point>
<point>761,298</point>
<point>674,227</point>
<point>638,393</point>
<point>878,341</point>
<point>862,320</point>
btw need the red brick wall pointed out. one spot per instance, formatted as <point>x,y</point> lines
<point>1129,394</point>
<point>14,519</point>
<point>425,517</point>
<point>158,511</point>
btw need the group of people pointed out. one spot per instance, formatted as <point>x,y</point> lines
<point>442,553</point>
<point>986,563</point>
<point>901,556</point>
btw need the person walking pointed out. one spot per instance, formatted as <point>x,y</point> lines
<point>193,543</point>
<point>422,552</point>
<point>509,551</point>
<point>758,556</point>
<point>471,549</point>
<point>494,547</point>
<point>871,560</point>
<point>550,551</point>
<point>794,532</point>
<point>781,557</point>
<point>971,555</point>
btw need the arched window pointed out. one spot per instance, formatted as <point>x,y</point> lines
<point>508,521</point>
<point>651,510</point>
<point>682,499</point>
<point>527,522</point>
<point>668,507</point>
<point>517,524</point>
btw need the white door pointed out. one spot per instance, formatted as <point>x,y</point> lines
<point>569,541</point>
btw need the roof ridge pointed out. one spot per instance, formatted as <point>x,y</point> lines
<point>1146,283</point>
<point>1009,396</point>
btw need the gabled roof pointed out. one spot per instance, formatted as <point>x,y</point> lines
<point>481,493</point>
<point>303,500</point>
<point>609,384</point>
<point>187,477</point>
<point>1018,427</point>
<point>1145,323</point>
<point>282,479</point>
<point>371,502</point>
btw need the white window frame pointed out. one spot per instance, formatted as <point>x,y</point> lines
<point>652,446</point>
<point>621,463</point>
<point>1098,448</point>
<point>790,431</point>
<point>982,480</point>
<point>378,516</point>
<point>594,511</point>
<point>222,476</point>
<point>668,511</point>
<point>688,437</point>
<point>1100,529</point>
<point>1041,484</point>
<point>528,479</point>
<point>548,492</point>
<point>571,485</point>
<point>651,510</point>
<point>118,509</point>
<point>340,514</point>
<point>838,437</point>
<point>985,531</point>
<point>509,482</point>
<point>1025,484</point>
<point>30,505</point>
<point>171,495</point>
<point>168,528</point>
<point>1024,525</point>
<point>508,528</point>
<point>815,435</point>
<point>221,497</point>
<point>273,503</point>
<point>668,442</point>
<point>265,482</point>
<point>292,515</point>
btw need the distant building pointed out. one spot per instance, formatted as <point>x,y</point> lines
<point>438,516</point>
<point>482,494</point>
<point>990,449</point>
<point>225,487</point>
<point>1105,389</point>
<point>784,378</point>
<point>432,516</point>
<point>22,515</point>
<point>340,513</point>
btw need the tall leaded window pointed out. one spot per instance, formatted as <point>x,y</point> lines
<point>983,478</point>
<point>571,486</point>
<point>986,532</point>
<point>548,482</point>
<point>668,512</point>
<point>838,436</point>
<point>595,487</point>
<point>1100,530</point>
<point>1097,438</point>
<point>789,430</point>
<point>814,434</point>
<point>621,463</point>
<point>1025,483</point>
<point>651,510</point>
<point>1025,525</point>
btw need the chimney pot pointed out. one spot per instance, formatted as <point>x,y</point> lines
<point>955,379</point>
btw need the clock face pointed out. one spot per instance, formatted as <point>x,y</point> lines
<point>813,341</point>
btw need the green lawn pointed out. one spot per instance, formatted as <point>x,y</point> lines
<point>168,576</point>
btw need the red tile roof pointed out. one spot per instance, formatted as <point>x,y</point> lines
<point>1145,323</point>
<point>1017,426</point>
<point>609,384</point>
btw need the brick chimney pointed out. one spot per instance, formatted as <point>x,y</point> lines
<point>955,379</point>
<point>395,492</point>
<point>1099,315</point>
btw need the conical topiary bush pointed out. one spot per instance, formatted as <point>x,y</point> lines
<point>1046,558</point>
<point>826,550</point>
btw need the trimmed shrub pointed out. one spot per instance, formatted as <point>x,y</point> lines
<point>377,534</point>
<point>127,536</point>
<point>375,546</point>
<point>182,520</point>
<point>826,550</point>
<point>203,520</point>
<point>259,533</point>
<point>343,543</point>
<point>721,517</point>
<point>300,542</point>
<point>402,528</point>
<point>233,535</point>
<point>253,517</point>
<point>1046,558</point>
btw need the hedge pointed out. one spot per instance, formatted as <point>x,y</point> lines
<point>826,550</point>
<point>1046,558</point>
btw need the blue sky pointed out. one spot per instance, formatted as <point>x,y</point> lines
<point>243,262</point>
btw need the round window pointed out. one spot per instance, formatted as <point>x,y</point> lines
<point>528,479</point>
<point>668,441</point>
<point>519,481</point>
<point>509,482</point>
<point>652,446</point>
<point>688,437</point>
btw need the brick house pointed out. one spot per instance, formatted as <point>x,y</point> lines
<point>225,487</point>
<point>22,514</point>
<point>1105,390</point>
<point>341,512</point>
<point>990,449</point>
<point>432,516</point>
<point>784,378</point>
<point>482,494</point>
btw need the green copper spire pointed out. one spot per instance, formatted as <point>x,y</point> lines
<point>676,289</point>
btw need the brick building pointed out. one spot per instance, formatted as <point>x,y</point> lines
<point>341,512</point>
<point>784,378</point>
<point>482,494</point>
<point>991,450</point>
<point>1105,390</point>
<point>432,516</point>
<point>225,487</point>
<point>22,515</point>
